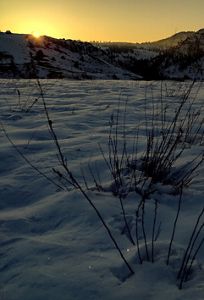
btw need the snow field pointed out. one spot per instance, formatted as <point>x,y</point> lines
<point>52,243</point>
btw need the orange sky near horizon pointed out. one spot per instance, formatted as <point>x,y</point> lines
<point>107,20</point>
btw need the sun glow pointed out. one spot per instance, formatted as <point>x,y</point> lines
<point>36,34</point>
<point>131,20</point>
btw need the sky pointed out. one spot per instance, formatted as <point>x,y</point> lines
<point>107,20</point>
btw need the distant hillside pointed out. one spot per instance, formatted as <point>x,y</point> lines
<point>186,60</point>
<point>180,56</point>
<point>166,43</point>
<point>171,41</point>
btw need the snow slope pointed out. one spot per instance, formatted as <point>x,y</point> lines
<point>53,246</point>
<point>15,46</point>
<point>24,56</point>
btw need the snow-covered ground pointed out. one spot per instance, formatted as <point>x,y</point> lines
<point>52,244</point>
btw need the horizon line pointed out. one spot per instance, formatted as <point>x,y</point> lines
<point>102,41</point>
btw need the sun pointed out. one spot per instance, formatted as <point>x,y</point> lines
<point>36,34</point>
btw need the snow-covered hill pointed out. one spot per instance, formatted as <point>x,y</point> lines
<point>186,60</point>
<point>24,56</point>
<point>178,57</point>
<point>171,41</point>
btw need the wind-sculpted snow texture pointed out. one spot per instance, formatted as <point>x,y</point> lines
<point>52,245</point>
